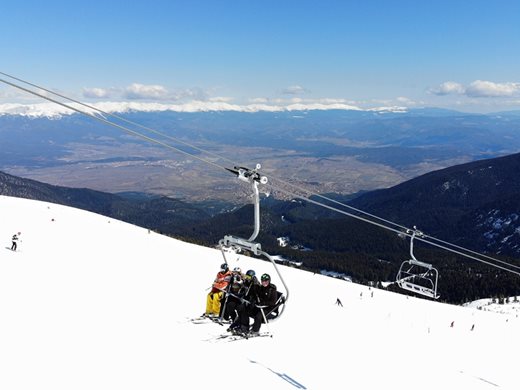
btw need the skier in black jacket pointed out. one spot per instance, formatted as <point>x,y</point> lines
<point>263,297</point>
<point>243,298</point>
<point>14,241</point>
<point>232,300</point>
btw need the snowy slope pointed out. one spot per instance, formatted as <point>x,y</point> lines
<point>93,303</point>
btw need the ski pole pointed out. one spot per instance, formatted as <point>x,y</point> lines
<point>265,319</point>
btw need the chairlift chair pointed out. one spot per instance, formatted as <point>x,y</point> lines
<point>417,276</point>
<point>238,244</point>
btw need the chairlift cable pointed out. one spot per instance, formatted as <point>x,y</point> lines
<point>126,129</point>
<point>311,193</point>
<point>307,199</point>
<point>182,142</point>
<point>271,177</point>
<point>473,252</point>
<point>395,224</point>
<point>119,118</point>
<point>471,256</point>
<point>396,231</point>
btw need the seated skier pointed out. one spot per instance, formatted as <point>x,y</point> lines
<point>262,299</point>
<point>213,301</point>
<point>243,298</point>
<point>232,299</point>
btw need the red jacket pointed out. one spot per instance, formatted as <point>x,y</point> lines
<point>221,281</point>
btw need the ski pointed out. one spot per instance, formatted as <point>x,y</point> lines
<point>209,320</point>
<point>229,337</point>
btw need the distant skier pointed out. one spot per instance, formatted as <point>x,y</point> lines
<point>15,240</point>
<point>338,302</point>
<point>452,324</point>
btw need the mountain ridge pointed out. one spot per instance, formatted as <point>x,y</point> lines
<point>154,212</point>
<point>448,202</point>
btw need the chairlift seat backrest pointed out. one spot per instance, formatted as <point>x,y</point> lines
<point>420,278</point>
<point>273,312</point>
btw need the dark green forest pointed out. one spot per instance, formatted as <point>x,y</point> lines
<point>367,254</point>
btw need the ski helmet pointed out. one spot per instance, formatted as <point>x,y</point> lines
<point>265,277</point>
<point>237,270</point>
<point>250,274</point>
<point>224,267</point>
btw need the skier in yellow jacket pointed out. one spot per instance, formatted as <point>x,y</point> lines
<point>217,291</point>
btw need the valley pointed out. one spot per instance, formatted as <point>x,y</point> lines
<point>327,152</point>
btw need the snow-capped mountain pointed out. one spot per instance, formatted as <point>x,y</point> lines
<point>89,302</point>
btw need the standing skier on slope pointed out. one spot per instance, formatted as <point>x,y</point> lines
<point>14,241</point>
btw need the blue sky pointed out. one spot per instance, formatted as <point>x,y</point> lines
<point>454,54</point>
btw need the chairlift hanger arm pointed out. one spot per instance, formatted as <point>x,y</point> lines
<point>252,176</point>
<point>270,258</point>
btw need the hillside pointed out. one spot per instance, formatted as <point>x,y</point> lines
<point>152,212</point>
<point>92,302</point>
<point>473,204</point>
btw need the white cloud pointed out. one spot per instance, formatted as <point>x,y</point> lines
<point>480,88</point>
<point>448,88</point>
<point>138,91</point>
<point>141,91</point>
<point>406,101</point>
<point>191,93</point>
<point>259,100</point>
<point>320,106</point>
<point>334,101</point>
<point>294,90</point>
<point>97,93</point>
<point>221,99</point>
